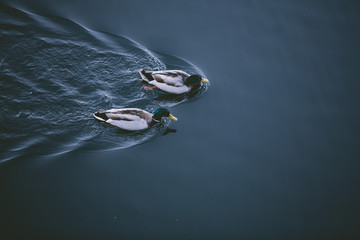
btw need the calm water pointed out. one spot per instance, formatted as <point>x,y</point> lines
<point>268,151</point>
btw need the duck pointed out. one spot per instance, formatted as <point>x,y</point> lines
<point>172,81</point>
<point>132,119</point>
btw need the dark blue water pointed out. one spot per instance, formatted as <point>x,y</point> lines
<point>55,73</point>
<point>269,151</point>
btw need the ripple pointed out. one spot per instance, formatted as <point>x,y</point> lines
<point>55,73</point>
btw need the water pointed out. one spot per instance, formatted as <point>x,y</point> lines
<point>55,73</point>
<point>268,151</point>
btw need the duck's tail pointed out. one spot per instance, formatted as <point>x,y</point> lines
<point>146,75</point>
<point>101,115</point>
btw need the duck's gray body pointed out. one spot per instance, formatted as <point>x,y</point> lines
<point>131,119</point>
<point>171,81</point>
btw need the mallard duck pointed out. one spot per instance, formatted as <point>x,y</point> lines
<point>132,119</point>
<point>172,81</point>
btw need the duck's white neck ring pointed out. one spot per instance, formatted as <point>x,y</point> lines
<point>155,120</point>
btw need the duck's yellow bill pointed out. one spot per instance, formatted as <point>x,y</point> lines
<point>172,117</point>
<point>204,80</point>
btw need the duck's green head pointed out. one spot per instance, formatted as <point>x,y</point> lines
<point>195,81</point>
<point>163,112</point>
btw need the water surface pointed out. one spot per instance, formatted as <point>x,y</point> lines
<point>55,73</point>
<point>270,151</point>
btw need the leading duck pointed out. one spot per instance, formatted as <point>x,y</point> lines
<point>172,81</point>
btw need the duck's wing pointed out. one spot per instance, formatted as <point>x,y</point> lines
<point>169,88</point>
<point>170,77</point>
<point>131,119</point>
<point>126,114</point>
<point>132,125</point>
